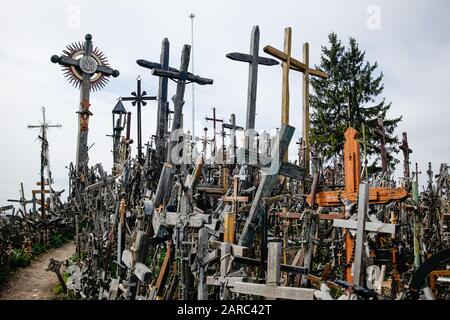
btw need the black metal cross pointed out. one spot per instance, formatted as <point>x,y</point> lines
<point>139,98</point>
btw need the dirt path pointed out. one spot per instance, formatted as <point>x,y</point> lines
<point>33,282</point>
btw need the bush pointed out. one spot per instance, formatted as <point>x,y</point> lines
<point>20,258</point>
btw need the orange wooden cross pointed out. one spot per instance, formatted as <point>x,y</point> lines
<point>352,168</point>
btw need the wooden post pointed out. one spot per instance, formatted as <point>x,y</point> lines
<point>305,109</point>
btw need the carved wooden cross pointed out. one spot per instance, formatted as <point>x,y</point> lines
<point>352,167</point>
<point>288,64</point>
<point>229,221</point>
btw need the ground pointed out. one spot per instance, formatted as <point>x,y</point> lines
<point>34,282</point>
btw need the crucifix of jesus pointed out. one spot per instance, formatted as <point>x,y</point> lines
<point>87,68</point>
<point>138,98</point>
<point>406,152</point>
<point>289,63</point>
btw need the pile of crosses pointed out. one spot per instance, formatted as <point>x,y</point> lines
<point>234,219</point>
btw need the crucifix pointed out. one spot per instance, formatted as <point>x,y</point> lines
<point>254,60</point>
<point>138,98</point>
<point>23,201</point>
<point>162,125</point>
<point>214,120</point>
<point>365,144</point>
<point>382,134</point>
<point>87,68</point>
<point>43,126</point>
<point>289,63</point>
<point>229,220</point>
<point>205,141</point>
<point>233,128</point>
<point>406,152</point>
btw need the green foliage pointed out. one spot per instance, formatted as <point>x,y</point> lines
<point>20,258</point>
<point>349,97</point>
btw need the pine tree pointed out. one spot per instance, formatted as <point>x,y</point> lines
<point>350,97</point>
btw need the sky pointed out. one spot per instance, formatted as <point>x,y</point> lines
<point>410,40</point>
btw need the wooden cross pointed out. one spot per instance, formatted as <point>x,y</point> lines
<point>361,227</point>
<point>214,120</point>
<point>162,125</point>
<point>352,167</point>
<point>382,134</point>
<point>288,64</point>
<point>254,60</point>
<point>229,222</point>
<point>22,200</point>
<point>138,98</point>
<point>406,152</point>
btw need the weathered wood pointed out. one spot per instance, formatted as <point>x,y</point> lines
<point>268,179</point>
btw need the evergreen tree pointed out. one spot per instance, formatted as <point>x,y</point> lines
<point>350,97</point>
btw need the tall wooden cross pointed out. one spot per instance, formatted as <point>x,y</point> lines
<point>254,60</point>
<point>229,223</point>
<point>162,125</point>
<point>138,98</point>
<point>88,72</point>
<point>43,126</point>
<point>182,77</point>
<point>214,120</point>
<point>289,63</point>
<point>406,152</point>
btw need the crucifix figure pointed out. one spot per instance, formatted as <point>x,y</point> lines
<point>138,98</point>
<point>290,63</point>
<point>162,125</point>
<point>214,120</point>
<point>254,60</point>
<point>406,152</point>
<point>43,126</point>
<point>87,68</point>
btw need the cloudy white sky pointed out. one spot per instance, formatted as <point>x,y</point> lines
<point>412,47</point>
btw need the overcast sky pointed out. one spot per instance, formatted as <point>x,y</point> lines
<point>409,39</point>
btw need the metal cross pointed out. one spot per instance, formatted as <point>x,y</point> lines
<point>43,126</point>
<point>139,99</point>
<point>233,127</point>
<point>89,71</point>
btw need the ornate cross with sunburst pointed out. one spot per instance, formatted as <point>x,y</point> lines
<point>85,68</point>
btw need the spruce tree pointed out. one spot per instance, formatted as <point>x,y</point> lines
<point>350,96</point>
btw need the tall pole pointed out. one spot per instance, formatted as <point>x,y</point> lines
<point>192,16</point>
